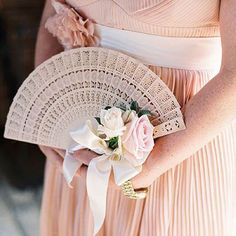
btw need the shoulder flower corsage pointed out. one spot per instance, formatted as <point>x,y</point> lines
<point>70,28</point>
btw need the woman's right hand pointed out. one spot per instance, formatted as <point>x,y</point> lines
<point>55,156</point>
<point>52,156</point>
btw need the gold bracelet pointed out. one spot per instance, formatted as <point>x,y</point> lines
<point>132,193</point>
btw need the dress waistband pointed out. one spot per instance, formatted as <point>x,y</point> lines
<point>171,52</point>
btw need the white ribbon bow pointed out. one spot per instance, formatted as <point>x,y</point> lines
<point>99,169</point>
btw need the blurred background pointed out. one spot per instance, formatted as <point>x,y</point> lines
<point>21,164</point>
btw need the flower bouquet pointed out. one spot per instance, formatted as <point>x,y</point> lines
<point>123,138</point>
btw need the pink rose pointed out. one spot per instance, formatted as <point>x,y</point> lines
<point>70,28</point>
<point>138,139</point>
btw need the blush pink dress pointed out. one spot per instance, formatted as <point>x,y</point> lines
<point>193,198</point>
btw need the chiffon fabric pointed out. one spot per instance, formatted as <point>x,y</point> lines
<point>193,198</point>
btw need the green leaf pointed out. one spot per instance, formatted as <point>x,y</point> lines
<point>113,143</point>
<point>98,120</point>
<point>134,106</point>
<point>144,112</point>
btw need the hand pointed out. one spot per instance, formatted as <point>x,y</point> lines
<point>52,156</point>
<point>146,177</point>
<point>55,156</point>
<point>143,179</point>
<point>83,155</point>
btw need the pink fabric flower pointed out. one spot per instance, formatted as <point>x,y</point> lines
<point>138,138</point>
<point>70,28</point>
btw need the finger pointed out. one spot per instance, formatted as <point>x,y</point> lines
<point>85,155</point>
<point>61,152</point>
<point>52,156</point>
<point>85,152</point>
<point>43,149</point>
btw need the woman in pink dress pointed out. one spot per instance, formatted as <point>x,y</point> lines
<point>190,174</point>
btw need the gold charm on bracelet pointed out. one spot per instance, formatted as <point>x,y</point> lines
<point>132,193</point>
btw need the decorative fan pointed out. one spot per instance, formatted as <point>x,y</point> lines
<point>75,85</point>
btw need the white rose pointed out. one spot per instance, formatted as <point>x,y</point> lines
<point>128,115</point>
<point>112,122</point>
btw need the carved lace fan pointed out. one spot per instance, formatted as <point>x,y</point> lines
<point>75,85</point>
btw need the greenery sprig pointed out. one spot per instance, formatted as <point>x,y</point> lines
<point>135,107</point>
<point>113,142</point>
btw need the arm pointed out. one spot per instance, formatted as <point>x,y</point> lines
<point>46,44</point>
<point>206,114</point>
<point>46,47</point>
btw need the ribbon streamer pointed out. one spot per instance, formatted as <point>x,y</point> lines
<point>99,170</point>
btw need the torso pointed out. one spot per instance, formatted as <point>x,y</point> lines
<point>177,18</point>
